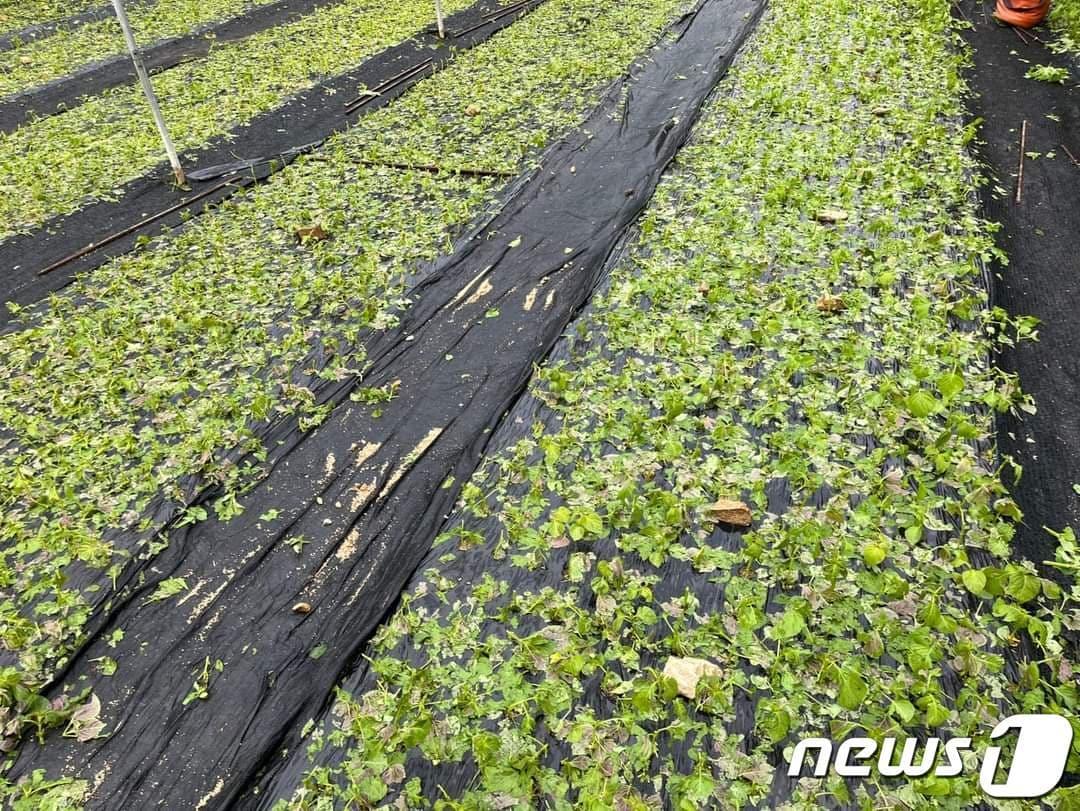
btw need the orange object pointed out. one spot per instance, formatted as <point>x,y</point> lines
<point>1022,13</point>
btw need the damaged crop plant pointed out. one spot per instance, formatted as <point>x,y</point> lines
<point>746,492</point>
<point>876,592</point>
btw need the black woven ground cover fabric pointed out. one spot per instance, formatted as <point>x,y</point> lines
<point>364,494</point>
<point>1040,236</point>
<point>63,94</point>
<point>304,121</point>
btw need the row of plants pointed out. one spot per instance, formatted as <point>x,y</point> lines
<point>798,340</point>
<point>150,368</point>
<point>68,50</point>
<point>16,15</point>
<point>57,164</point>
<point>1065,17</point>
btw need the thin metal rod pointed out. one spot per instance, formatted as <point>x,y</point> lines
<point>148,90</point>
<point>1020,172</point>
<point>509,8</point>
<point>387,85</point>
<point>93,246</point>
<point>432,169</point>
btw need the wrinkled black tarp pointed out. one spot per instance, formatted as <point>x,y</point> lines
<point>309,117</point>
<point>367,491</point>
<point>1041,236</point>
<point>468,566</point>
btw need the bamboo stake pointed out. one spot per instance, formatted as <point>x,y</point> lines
<point>439,19</point>
<point>1020,174</point>
<point>148,90</point>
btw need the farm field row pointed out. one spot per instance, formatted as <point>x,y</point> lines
<point>66,51</point>
<point>801,324</point>
<point>86,153</point>
<point>146,371</point>
<point>18,14</point>
<point>752,493</point>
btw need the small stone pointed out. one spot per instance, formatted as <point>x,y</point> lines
<point>831,304</point>
<point>688,671</point>
<point>314,234</point>
<point>729,511</point>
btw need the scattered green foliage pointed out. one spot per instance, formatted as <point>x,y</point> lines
<point>1065,17</point>
<point>200,688</point>
<point>88,152</point>
<point>1047,73</point>
<point>18,14</point>
<point>162,366</point>
<point>168,588</point>
<point>880,602</point>
<point>23,711</point>
<point>38,793</point>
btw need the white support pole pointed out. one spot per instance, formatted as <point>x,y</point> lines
<point>439,19</point>
<point>148,90</point>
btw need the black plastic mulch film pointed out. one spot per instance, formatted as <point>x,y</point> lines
<point>63,94</point>
<point>367,492</point>
<point>152,203</point>
<point>1041,236</point>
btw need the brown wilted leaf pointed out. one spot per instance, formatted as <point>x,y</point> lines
<point>472,109</point>
<point>85,723</point>
<point>729,511</point>
<point>315,233</point>
<point>302,608</point>
<point>831,304</point>
<point>605,607</point>
<point>687,672</point>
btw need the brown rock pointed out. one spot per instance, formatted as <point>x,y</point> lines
<point>729,511</point>
<point>831,304</point>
